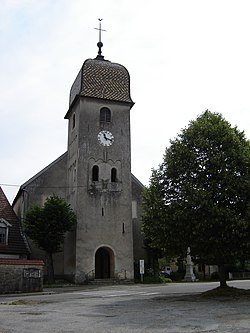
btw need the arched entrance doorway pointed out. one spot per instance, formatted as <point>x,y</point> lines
<point>104,263</point>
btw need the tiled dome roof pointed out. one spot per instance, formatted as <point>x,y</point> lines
<point>102,79</point>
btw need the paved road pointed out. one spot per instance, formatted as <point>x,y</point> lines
<point>170,308</point>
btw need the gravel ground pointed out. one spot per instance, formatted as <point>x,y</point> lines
<point>123,309</point>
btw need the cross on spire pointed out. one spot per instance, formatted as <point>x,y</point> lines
<point>100,44</point>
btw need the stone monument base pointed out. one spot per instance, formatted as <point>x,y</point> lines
<point>189,276</point>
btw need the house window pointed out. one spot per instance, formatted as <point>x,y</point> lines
<point>95,173</point>
<point>105,115</point>
<point>113,175</point>
<point>3,233</point>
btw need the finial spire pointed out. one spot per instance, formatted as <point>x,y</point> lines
<point>100,44</point>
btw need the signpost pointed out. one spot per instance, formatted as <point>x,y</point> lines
<point>142,269</point>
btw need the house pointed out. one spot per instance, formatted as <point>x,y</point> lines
<point>13,244</point>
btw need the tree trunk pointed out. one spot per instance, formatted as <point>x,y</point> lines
<point>51,276</point>
<point>204,271</point>
<point>242,264</point>
<point>222,276</point>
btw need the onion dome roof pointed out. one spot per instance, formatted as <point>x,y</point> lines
<point>99,78</point>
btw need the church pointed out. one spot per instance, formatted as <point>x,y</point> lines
<point>94,177</point>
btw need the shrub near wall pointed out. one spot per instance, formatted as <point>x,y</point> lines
<point>21,275</point>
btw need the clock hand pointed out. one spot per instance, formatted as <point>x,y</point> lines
<point>107,138</point>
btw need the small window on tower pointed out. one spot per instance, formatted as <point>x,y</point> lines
<point>95,173</point>
<point>113,175</point>
<point>74,175</point>
<point>74,121</point>
<point>105,115</point>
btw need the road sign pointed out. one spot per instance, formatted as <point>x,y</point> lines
<point>142,268</point>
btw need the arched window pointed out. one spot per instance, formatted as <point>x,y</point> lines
<point>74,121</point>
<point>113,175</point>
<point>95,173</point>
<point>105,115</point>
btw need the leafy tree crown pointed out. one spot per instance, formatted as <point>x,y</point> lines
<point>47,226</point>
<point>199,195</point>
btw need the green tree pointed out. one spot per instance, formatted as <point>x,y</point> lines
<point>47,226</point>
<point>199,195</point>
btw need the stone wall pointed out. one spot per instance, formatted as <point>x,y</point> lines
<point>21,275</point>
<point>138,240</point>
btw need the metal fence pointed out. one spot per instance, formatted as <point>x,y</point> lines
<point>239,275</point>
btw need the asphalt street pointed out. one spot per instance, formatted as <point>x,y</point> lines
<point>170,308</point>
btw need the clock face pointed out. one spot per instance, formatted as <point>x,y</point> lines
<point>105,138</point>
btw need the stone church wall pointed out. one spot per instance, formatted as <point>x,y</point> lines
<point>51,180</point>
<point>138,241</point>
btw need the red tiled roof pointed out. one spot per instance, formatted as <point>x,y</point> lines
<point>16,243</point>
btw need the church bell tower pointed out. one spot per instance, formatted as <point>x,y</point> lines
<point>99,172</point>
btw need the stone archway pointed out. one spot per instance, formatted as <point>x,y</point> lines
<point>104,263</point>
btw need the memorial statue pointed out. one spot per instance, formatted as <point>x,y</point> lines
<point>189,276</point>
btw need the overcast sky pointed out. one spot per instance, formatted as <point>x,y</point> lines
<point>183,56</point>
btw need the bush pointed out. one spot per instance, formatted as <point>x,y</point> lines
<point>151,279</point>
<point>164,279</point>
<point>215,276</point>
<point>177,276</point>
<point>154,279</point>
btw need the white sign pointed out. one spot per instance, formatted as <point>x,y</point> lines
<point>142,266</point>
<point>32,273</point>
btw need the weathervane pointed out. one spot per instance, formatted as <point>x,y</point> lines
<point>100,44</point>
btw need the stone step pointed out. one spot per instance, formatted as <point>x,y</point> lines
<point>109,282</point>
<point>103,281</point>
